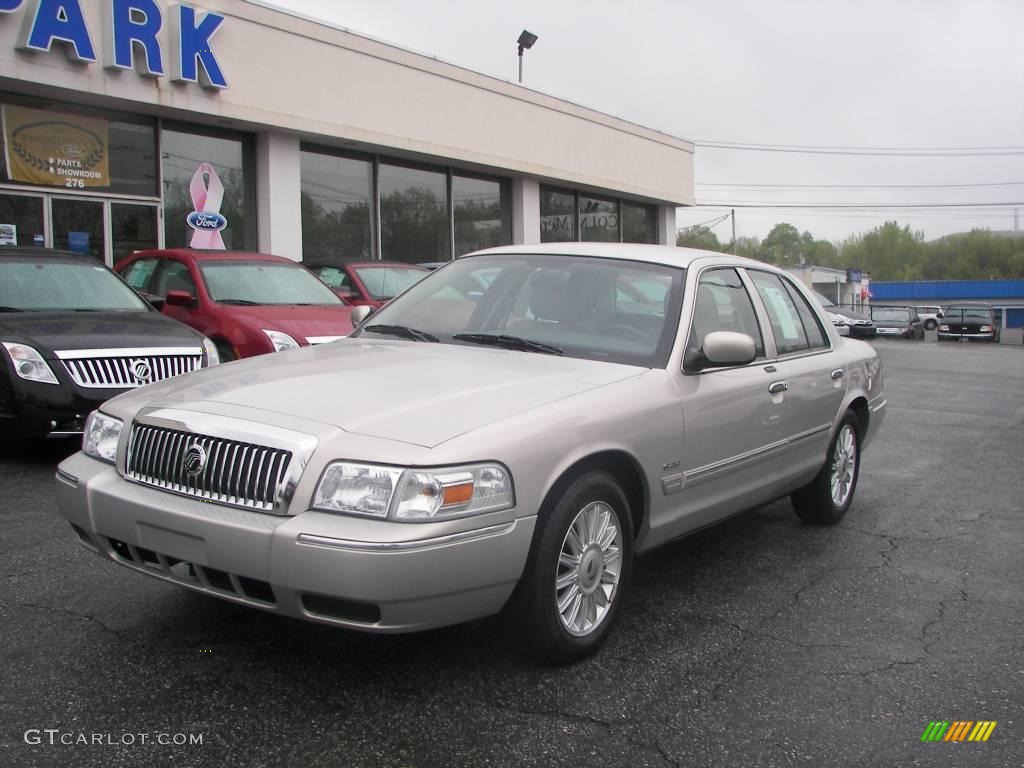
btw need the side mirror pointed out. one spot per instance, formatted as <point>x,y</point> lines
<point>180,299</point>
<point>938,315</point>
<point>157,302</point>
<point>360,314</point>
<point>723,348</point>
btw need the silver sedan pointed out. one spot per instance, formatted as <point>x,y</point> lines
<point>467,451</point>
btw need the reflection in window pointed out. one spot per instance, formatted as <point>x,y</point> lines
<point>182,155</point>
<point>337,214</point>
<point>413,215</point>
<point>481,212</point>
<point>638,223</point>
<point>557,215</point>
<point>599,220</point>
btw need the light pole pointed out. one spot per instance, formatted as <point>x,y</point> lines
<point>526,41</point>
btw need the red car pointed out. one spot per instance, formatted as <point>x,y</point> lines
<point>373,283</point>
<point>246,303</point>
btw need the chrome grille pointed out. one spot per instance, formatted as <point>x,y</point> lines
<point>128,368</point>
<point>234,472</point>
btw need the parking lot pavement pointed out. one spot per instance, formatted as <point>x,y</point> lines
<point>757,642</point>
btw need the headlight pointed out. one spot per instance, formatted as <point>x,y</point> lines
<point>943,327</point>
<point>101,435</point>
<point>837,320</point>
<point>985,329</point>
<point>414,495</point>
<point>29,364</point>
<point>210,352</point>
<point>281,341</point>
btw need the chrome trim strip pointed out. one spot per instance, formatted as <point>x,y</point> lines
<point>78,354</point>
<point>880,406</point>
<point>809,433</point>
<point>312,540</point>
<point>67,478</point>
<point>699,472</point>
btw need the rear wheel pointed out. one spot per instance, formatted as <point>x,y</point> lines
<point>930,325</point>
<point>578,571</point>
<point>826,498</point>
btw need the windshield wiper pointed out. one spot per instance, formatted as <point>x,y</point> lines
<point>509,342</point>
<point>240,302</point>
<point>413,334</point>
<point>12,309</point>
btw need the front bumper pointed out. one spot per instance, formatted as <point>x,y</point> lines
<point>863,331</point>
<point>306,566</point>
<point>944,335</point>
<point>49,410</point>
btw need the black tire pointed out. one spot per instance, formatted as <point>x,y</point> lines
<point>225,351</point>
<point>536,609</point>
<point>815,503</point>
<point>929,325</point>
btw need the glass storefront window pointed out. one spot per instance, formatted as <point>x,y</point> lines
<point>78,226</point>
<point>95,150</point>
<point>481,211</point>
<point>414,220</point>
<point>337,210</point>
<point>132,228</point>
<point>557,215</point>
<point>183,153</point>
<point>21,220</point>
<point>638,223</point>
<point>599,220</point>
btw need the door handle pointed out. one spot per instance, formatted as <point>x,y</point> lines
<point>778,386</point>
<point>837,374</point>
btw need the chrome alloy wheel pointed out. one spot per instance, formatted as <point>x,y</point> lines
<point>589,564</point>
<point>844,464</point>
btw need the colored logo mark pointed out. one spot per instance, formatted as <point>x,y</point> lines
<point>958,730</point>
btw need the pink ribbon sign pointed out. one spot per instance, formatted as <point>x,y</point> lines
<point>207,197</point>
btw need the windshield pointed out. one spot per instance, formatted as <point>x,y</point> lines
<point>823,299</point>
<point>598,309</point>
<point>52,285</point>
<point>264,282</point>
<point>955,313</point>
<point>891,315</point>
<point>388,282</point>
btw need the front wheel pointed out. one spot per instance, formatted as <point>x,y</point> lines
<point>826,498</point>
<point>578,571</point>
<point>930,325</point>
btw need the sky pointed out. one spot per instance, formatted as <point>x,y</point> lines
<point>896,78</point>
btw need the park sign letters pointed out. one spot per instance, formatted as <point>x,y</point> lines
<point>130,36</point>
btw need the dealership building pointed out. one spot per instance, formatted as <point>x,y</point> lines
<point>131,124</point>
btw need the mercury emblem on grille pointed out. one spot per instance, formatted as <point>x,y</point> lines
<point>195,460</point>
<point>142,371</point>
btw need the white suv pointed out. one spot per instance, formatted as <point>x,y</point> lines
<point>930,316</point>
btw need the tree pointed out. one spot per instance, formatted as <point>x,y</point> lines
<point>782,246</point>
<point>698,237</point>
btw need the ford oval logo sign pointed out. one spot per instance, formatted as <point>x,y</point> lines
<point>206,222</point>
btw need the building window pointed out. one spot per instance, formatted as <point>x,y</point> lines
<point>337,207</point>
<point>77,148</point>
<point>482,214</point>
<point>557,215</point>
<point>567,215</point>
<point>639,223</point>
<point>599,220</point>
<point>414,218</point>
<point>187,189</point>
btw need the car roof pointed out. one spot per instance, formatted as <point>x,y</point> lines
<point>983,304</point>
<point>44,253</point>
<point>214,255</point>
<point>669,255</point>
<point>339,263</point>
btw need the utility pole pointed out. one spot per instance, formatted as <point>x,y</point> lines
<point>733,214</point>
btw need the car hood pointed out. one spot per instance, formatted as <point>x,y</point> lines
<point>418,393</point>
<point>299,322</point>
<point>51,331</point>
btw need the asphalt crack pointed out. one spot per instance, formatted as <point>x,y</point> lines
<point>85,616</point>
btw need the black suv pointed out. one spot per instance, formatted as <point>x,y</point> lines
<point>969,320</point>
<point>72,335</point>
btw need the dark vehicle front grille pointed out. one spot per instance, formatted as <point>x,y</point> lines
<point>120,369</point>
<point>210,468</point>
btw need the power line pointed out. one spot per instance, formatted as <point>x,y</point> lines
<point>854,206</point>
<point>709,223</point>
<point>877,151</point>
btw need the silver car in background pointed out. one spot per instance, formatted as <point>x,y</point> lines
<point>464,452</point>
